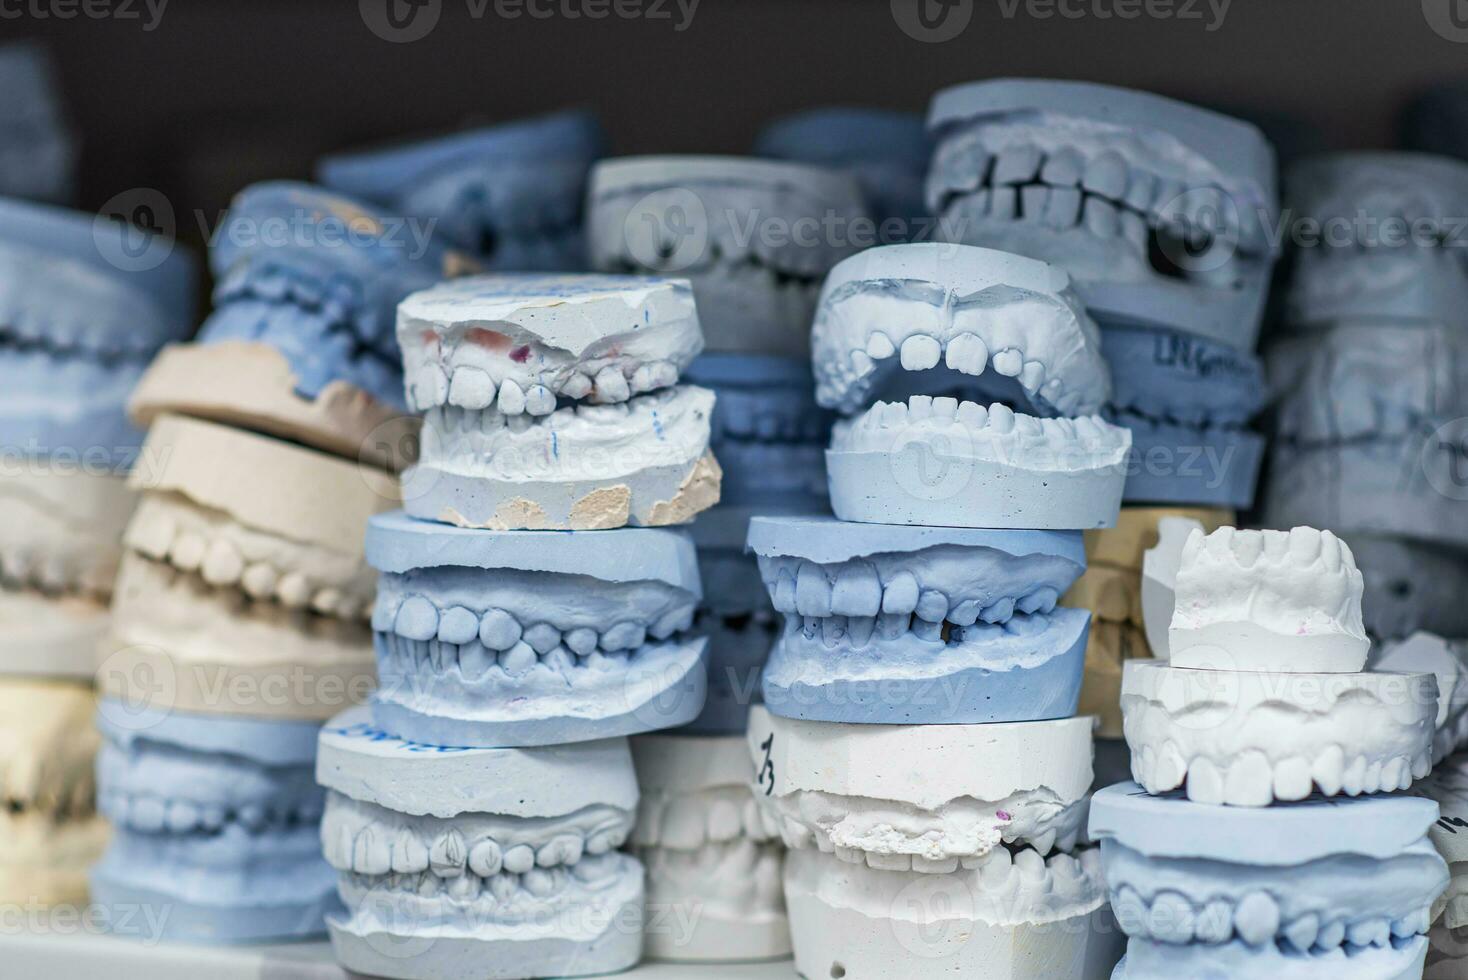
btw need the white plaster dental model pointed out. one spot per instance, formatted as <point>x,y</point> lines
<point>49,831</point>
<point>713,867</point>
<point>926,850</point>
<point>1389,224</point>
<point>1345,886</point>
<point>920,625</point>
<point>887,318</point>
<point>214,820</point>
<point>533,638</point>
<point>479,863</point>
<point>1423,653</point>
<point>489,361</point>
<point>1368,431</point>
<point>1157,209</point>
<point>244,580</point>
<point>1280,601</point>
<point>754,236</point>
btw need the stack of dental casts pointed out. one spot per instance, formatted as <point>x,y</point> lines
<point>240,618</point>
<point>1157,209</point>
<point>511,195</point>
<point>77,325</point>
<point>921,623</point>
<point>38,149</point>
<point>1263,835</point>
<point>523,630</point>
<point>724,221</point>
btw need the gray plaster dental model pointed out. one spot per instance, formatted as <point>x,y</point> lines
<point>911,322</point>
<point>1390,225</point>
<point>1187,402</point>
<point>713,864</point>
<point>1395,468</point>
<point>466,864</point>
<point>300,344</point>
<point>964,864</point>
<point>214,819</point>
<point>1411,586</point>
<point>509,194</point>
<point>755,237</point>
<point>1339,888</point>
<point>920,625</point>
<point>533,638</point>
<point>37,148</point>
<point>1160,211</point>
<point>1448,785</point>
<point>244,573</point>
<point>551,402</point>
<point>84,304</point>
<point>1263,699</point>
<point>886,150</point>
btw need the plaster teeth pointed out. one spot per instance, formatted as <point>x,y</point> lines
<point>1332,934</point>
<point>1302,931</point>
<point>611,386</point>
<point>498,630</point>
<point>937,866</point>
<point>1063,168</point>
<point>518,659</point>
<point>511,399</point>
<point>409,856</point>
<point>1016,165</point>
<point>471,388</point>
<point>967,353</point>
<point>880,346</point>
<point>920,352</point>
<point>889,862</point>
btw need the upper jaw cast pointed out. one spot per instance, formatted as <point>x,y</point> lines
<point>1161,211</point>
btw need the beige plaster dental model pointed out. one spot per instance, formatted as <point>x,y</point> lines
<point>713,866</point>
<point>51,832</point>
<point>244,584</point>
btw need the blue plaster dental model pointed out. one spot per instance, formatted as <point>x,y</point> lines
<point>1339,888</point>
<point>485,863</point>
<point>300,343</point>
<point>886,150</point>
<point>1393,469</point>
<point>509,194</point>
<point>37,149</point>
<point>552,402</point>
<point>1187,402</point>
<point>1387,251</point>
<point>957,323</point>
<point>84,304</point>
<point>920,625</point>
<point>755,237</point>
<point>532,638</point>
<point>1160,211</point>
<point>214,819</point>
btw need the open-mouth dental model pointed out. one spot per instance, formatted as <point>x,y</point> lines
<point>511,194</point>
<point>533,638</point>
<point>300,344</point>
<point>886,151</point>
<point>552,403</point>
<point>36,143</point>
<point>491,863</point>
<point>945,868</point>
<point>244,579</point>
<point>1000,326</point>
<point>920,625</point>
<point>214,820</point>
<point>1370,430</point>
<point>1187,402</point>
<point>1309,889</point>
<point>51,831</point>
<point>1279,601</point>
<point>755,237</point>
<point>713,866</point>
<point>1160,211</point>
<point>1390,227</point>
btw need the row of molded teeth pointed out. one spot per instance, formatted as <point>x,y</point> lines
<point>740,267</point>
<point>474,390</point>
<point>1302,546</point>
<point>995,419</point>
<point>416,617</point>
<point>1106,193</point>
<point>857,592</point>
<point>689,821</point>
<point>1000,869</point>
<point>796,834</point>
<point>69,339</point>
<point>152,814</point>
<point>219,562</point>
<point>1171,917</point>
<point>329,297</point>
<point>380,849</point>
<point>502,888</point>
<point>57,573</point>
<point>450,419</point>
<point>402,658</point>
<point>966,353</point>
<point>1250,779</point>
<point>858,631</point>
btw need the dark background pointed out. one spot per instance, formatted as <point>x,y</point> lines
<point>223,93</point>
